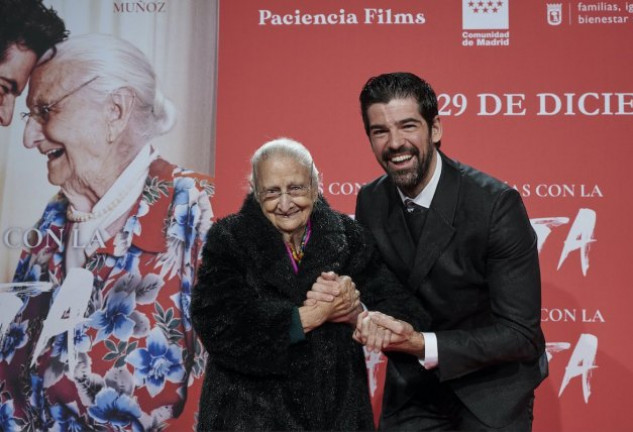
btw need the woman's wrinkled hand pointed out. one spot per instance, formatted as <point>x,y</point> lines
<point>340,292</point>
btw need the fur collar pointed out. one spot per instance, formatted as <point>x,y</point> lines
<point>327,249</point>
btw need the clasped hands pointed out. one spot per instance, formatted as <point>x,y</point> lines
<point>336,299</point>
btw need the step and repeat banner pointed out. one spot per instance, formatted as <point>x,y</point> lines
<point>536,93</point>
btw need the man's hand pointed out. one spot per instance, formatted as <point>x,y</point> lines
<point>380,332</point>
<point>367,332</point>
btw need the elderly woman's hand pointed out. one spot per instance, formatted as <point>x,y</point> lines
<point>314,313</point>
<point>341,292</point>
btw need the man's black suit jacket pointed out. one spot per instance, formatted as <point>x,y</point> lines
<point>475,269</point>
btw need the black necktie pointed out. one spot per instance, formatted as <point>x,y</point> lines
<point>415,216</point>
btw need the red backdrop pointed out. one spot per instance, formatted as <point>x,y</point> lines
<point>542,99</point>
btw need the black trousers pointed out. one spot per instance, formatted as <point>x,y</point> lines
<point>439,409</point>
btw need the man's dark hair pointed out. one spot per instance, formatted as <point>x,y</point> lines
<point>398,85</point>
<point>29,24</point>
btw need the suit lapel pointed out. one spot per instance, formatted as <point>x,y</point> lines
<point>396,245</point>
<point>438,230</point>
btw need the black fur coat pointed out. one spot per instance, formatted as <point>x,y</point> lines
<point>242,308</point>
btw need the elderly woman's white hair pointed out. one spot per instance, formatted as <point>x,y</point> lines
<point>283,147</point>
<point>119,64</point>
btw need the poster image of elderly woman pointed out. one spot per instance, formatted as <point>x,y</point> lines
<point>281,355</point>
<point>111,346</point>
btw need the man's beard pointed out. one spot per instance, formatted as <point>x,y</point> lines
<point>408,179</point>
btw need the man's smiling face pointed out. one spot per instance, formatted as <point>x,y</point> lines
<point>14,74</point>
<point>403,142</point>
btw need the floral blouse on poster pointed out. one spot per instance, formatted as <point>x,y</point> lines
<point>134,362</point>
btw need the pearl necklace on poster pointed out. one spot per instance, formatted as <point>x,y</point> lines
<point>79,216</point>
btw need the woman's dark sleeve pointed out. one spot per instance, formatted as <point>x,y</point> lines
<point>241,330</point>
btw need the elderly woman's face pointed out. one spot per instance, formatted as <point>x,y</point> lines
<point>72,132</point>
<point>289,214</point>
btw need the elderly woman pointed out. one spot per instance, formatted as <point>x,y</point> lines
<point>279,360</point>
<point>120,244</point>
